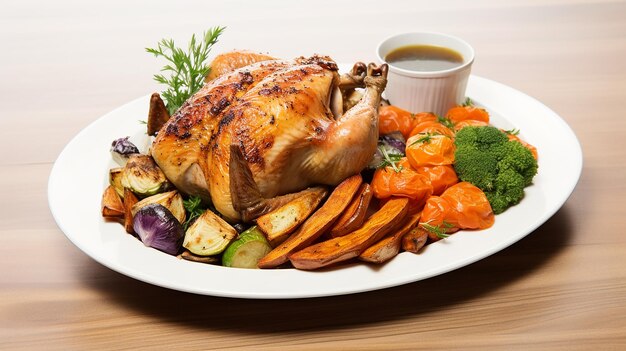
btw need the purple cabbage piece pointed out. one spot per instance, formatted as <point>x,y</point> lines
<point>158,228</point>
<point>394,140</point>
<point>124,147</point>
<point>393,143</point>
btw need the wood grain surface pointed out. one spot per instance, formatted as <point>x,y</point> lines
<point>65,63</point>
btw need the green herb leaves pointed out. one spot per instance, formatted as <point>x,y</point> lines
<point>390,159</point>
<point>187,69</point>
<point>194,209</point>
<point>438,230</point>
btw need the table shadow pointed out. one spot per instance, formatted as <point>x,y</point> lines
<point>392,304</point>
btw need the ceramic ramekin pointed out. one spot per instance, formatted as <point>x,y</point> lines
<point>434,91</point>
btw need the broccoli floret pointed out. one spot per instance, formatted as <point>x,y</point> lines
<point>501,168</point>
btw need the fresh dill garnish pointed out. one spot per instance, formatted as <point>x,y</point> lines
<point>445,121</point>
<point>438,230</point>
<point>512,131</point>
<point>389,159</point>
<point>194,209</point>
<point>141,121</point>
<point>187,69</point>
<point>468,102</point>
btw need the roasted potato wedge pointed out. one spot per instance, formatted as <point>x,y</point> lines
<point>354,216</point>
<point>129,201</point>
<point>112,206</point>
<point>352,245</point>
<point>278,224</point>
<point>389,247</point>
<point>414,240</point>
<point>317,224</point>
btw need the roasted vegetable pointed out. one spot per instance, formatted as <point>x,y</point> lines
<point>122,149</point>
<point>247,250</point>
<point>467,112</point>
<point>186,255</point>
<point>430,149</point>
<point>208,235</point>
<point>414,240</point>
<point>170,200</point>
<point>317,224</point>
<point>142,175</point>
<point>352,245</point>
<point>390,149</point>
<point>157,114</point>
<point>389,247</point>
<point>394,119</point>
<point>404,182</point>
<point>354,216</point>
<point>112,206</point>
<point>278,224</point>
<point>115,179</point>
<point>501,168</point>
<point>129,201</point>
<point>462,206</point>
<point>158,228</point>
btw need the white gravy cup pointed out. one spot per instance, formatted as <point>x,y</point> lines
<point>426,91</point>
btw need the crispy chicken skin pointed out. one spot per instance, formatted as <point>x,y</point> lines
<point>285,120</point>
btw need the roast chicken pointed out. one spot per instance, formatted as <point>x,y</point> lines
<point>255,135</point>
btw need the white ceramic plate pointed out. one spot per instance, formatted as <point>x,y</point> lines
<point>80,174</point>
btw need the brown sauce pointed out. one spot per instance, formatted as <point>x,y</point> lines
<point>424,58</point>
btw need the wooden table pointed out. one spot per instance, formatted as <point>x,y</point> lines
<point>65,63</point>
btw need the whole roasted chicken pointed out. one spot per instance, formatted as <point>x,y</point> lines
<point>259,132</point>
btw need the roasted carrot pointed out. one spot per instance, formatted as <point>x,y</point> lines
<point>402,181</point>
<point>352,245</point>
<point>316,225</point>
<point>463,113</point>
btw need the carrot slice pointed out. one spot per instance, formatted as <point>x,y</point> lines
<point>316,225</point>
<point>352,245</point>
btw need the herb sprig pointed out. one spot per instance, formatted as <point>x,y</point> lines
<point>390,159</point>
<point>438,230</point>
<point>194,209</point>
<point>187,69</point>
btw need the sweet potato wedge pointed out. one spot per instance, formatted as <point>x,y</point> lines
<point>349,246</point>
<point>129,201</point>
<point>414,240</point>
<point>389,246</point>
<point>354,216</point>
<point>278,224</point>
<point>112,206</point>
<point>317,224</point>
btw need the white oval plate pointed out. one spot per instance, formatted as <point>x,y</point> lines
<point>80,174</point>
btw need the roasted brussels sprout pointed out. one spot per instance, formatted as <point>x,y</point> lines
<point>157,227</point>
<point>208,235</point>
<point>142,175</point>
<point>121,149</point>
<point>170,200</point>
